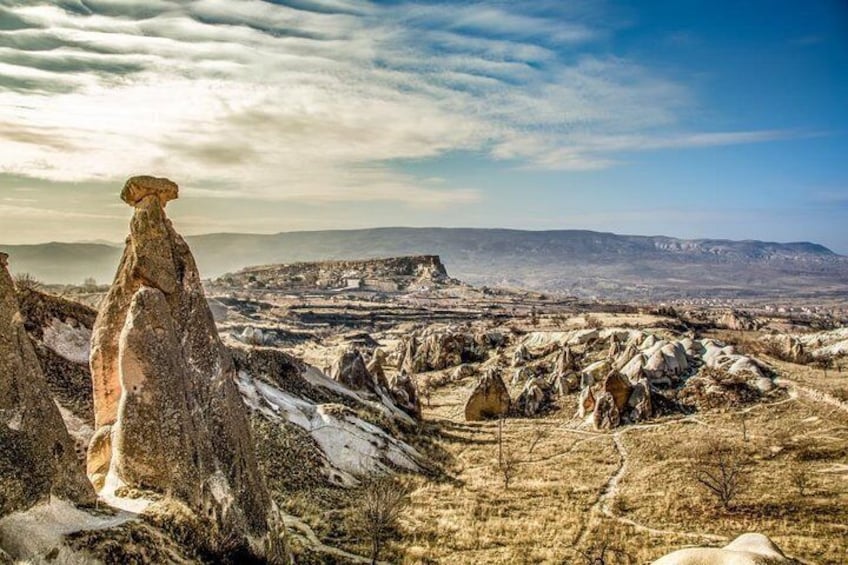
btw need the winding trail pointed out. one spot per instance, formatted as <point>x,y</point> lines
<point>603,504</point>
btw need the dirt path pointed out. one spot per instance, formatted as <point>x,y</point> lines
<point>301,530</point>
<point>603,505</point>
<point>813,394</point>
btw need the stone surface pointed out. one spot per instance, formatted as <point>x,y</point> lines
<point>168,414</point>
<point>441,348</point>
<point>489,399</point>
<point>349,369</point>
<point>620,389</point>
<point>37,455</point>
<point>405,395</point>
<point>639,406</point>
<point>535,397</point>
<point>138,188</point>
<point>747,549</point>
<point>606,415</point>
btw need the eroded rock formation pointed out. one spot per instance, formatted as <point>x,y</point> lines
<point>747,549</point>
<point>37,456</point>
<point>168,414</point>
<point>489,399</point>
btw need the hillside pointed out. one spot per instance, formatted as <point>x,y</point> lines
<point>582,263</point>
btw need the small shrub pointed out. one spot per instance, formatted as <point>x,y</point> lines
<point>376,515</point>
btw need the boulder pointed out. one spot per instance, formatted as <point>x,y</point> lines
<point>614,347</point>
<point>435,349</point>
<point>639,407</point>
<point>606,416</point>
<point>462,372</point>
<point>350,370</point>
<point>405,395</point>
<point>586,402</point>
<point>168,414</point>
<point>37,455</point>
<point>737,320</point>
<point>620,389</point>
<point>138,188</point>
<point>489,399</point>
<point>564,362</point>
<point>375,368</point>
<point>566,384</point>
<point>747,549</point>
<point>535,397</point>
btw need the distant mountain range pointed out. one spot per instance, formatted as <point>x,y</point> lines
<point>574,262</point>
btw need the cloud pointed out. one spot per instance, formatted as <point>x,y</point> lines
<point>320,100</point>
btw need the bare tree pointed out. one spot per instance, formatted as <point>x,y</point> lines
<point>720,467</point>
<point>507,462</point>
<point>376,516</point>
<point>800,477</point>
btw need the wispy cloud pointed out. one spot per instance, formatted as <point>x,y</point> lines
<point>319,100</point>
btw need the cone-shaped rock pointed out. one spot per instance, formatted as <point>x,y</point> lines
<point>168,415</point>
<point>37,456</point>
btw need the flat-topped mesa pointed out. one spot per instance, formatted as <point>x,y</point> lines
<point>136,189</point>
<point>168,414</point>
<point>37,455</point>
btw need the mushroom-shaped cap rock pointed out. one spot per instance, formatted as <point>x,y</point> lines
<point>138,188</point>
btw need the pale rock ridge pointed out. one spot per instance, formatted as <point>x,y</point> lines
<point>747,549</point>
<point>37,456</point>
<point>168,414</point>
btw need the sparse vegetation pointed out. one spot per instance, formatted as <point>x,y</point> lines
<point>720,467</point>
<point>801,479</point>
<point>376,517</point>
<point>26,282</point>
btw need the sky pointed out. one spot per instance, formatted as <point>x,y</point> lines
<point>680,117</point>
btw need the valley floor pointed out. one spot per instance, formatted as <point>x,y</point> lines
<point>576,491</point>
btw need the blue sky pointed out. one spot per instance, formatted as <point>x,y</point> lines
<point>682,118</point>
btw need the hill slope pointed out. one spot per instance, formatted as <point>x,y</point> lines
<point>584,263</point>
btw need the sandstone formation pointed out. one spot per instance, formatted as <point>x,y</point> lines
<point>535,397</point>
<point>441,348</point>
<point>747,549</point>
<point>617,385</point>
<point>606,415</point>
<point>37,455</point>
<point>489,399</point>
<point>405,394</point>
<point>350,370</point>
<point>375,367</point>
<point>168,414</point>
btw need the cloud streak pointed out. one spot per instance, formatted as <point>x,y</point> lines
<point>319,100</point>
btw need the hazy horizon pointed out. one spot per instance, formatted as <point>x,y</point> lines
<point>692,120</point>
<point>120,243</point>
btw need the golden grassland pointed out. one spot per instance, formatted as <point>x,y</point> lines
<point>632,490</point>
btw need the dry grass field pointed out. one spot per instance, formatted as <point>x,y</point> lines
<point>577,492</point>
